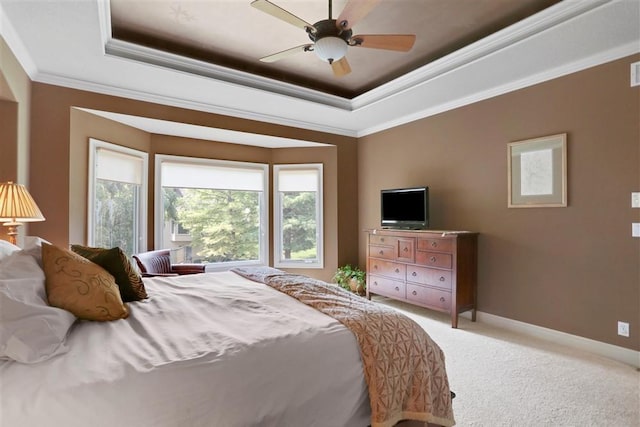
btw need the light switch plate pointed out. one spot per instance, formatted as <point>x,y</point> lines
<point>635,200</point>
<point>635,74</point>
<point>635,229</point>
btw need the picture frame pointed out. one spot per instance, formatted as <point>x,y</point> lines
<point>537,172</point>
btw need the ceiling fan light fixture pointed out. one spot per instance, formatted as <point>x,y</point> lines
<point>330,48</point>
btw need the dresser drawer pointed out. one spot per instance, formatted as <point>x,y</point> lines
<point>429,276</point>
<point>431,297</point>
<point>386,252</point>
<point>406,250</point>
<point>387,287</point>
<point>434,259</point>
<point>440,245</point>
<point>387,268</point>
<point>375,239</point>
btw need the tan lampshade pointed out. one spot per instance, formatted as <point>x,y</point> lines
<point>17,206</point>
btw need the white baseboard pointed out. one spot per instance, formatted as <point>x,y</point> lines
<point>621,354</point>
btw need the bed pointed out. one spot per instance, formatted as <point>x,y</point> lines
<point>234,348</point>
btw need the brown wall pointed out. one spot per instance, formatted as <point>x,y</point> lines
<point>8,139</point>
<point>573,269</point>
<point>59,156</point>
<point>15,104</point>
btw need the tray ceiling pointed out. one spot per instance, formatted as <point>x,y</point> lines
<point>72,43</point>
<point>235,35</point>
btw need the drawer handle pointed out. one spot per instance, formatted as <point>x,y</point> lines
<point>434,244</point>
<point>397,271</point>
<point>406,249</point>
<point>375,266</point>
<point>442,279</point>
<point>397,289</point>
<point>441,299</point>
<point>414,274</point>
<point>381,252</point>
<point>432,259</point>
<point>375,283</point>
<point>414,293</point>
<point>382,239</point>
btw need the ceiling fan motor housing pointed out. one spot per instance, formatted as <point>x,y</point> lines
<point>330,42</point>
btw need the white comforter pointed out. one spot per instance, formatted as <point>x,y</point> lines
<point>209,349</point>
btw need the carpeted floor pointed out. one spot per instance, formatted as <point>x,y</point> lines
<point>504,379</point>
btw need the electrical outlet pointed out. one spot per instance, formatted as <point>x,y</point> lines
<point>635,200</point>
<point>635,229</point>
<point>623,329</point>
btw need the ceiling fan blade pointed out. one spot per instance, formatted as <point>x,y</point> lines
<point>399,42</point>
<point>278,12</point>
<point>354,11</point>
<point>341,67</point>
<point>286,53</point>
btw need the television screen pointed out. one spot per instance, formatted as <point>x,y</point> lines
<point>405,208</point>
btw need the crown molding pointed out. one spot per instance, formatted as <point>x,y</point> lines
<point>126,50</point>
<point>104,22</point>
<point>566,69</point>
<point>172,101</point>
<point>548,18</point>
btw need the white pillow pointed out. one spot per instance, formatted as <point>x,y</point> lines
<point>31,331</point>
<point>7,249</point>
<point>20,265</point>
<point>33,246</point>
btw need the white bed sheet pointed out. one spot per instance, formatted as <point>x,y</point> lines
<point>210,349</point>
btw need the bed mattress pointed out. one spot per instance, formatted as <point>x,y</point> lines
<point>211,349</point>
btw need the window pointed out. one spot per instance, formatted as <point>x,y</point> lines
<point>298,215</point>
<point>117,197</point>
<point>211,211</point>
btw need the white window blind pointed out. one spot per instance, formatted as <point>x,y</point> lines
<point>120,167</point>
<point>297,180</point>
<point>189,175</point>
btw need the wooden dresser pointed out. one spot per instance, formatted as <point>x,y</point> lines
<point>433,269</point>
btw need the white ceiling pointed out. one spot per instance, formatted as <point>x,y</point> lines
<point>63,42</point>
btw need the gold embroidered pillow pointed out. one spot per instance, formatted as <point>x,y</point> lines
<point>76,284</point>
<point>116,262</point>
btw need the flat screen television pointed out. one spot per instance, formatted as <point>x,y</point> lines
<point>405,208</point>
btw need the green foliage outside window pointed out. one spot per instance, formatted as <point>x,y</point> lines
<point>115,215</point>
<point>224,224</point>
<point>299,225</point>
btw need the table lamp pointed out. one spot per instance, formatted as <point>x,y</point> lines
<point>17,206</point>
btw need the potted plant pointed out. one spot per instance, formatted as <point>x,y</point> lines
<point>351,278</point>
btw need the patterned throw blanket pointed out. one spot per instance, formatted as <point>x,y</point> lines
<point>404,369</point>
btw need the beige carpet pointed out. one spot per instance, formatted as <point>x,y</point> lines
<point>505,379</point>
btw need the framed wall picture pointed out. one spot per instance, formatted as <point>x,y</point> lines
<point>538,172</point>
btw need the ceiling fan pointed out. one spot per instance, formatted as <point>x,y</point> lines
<point>332,37</point>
